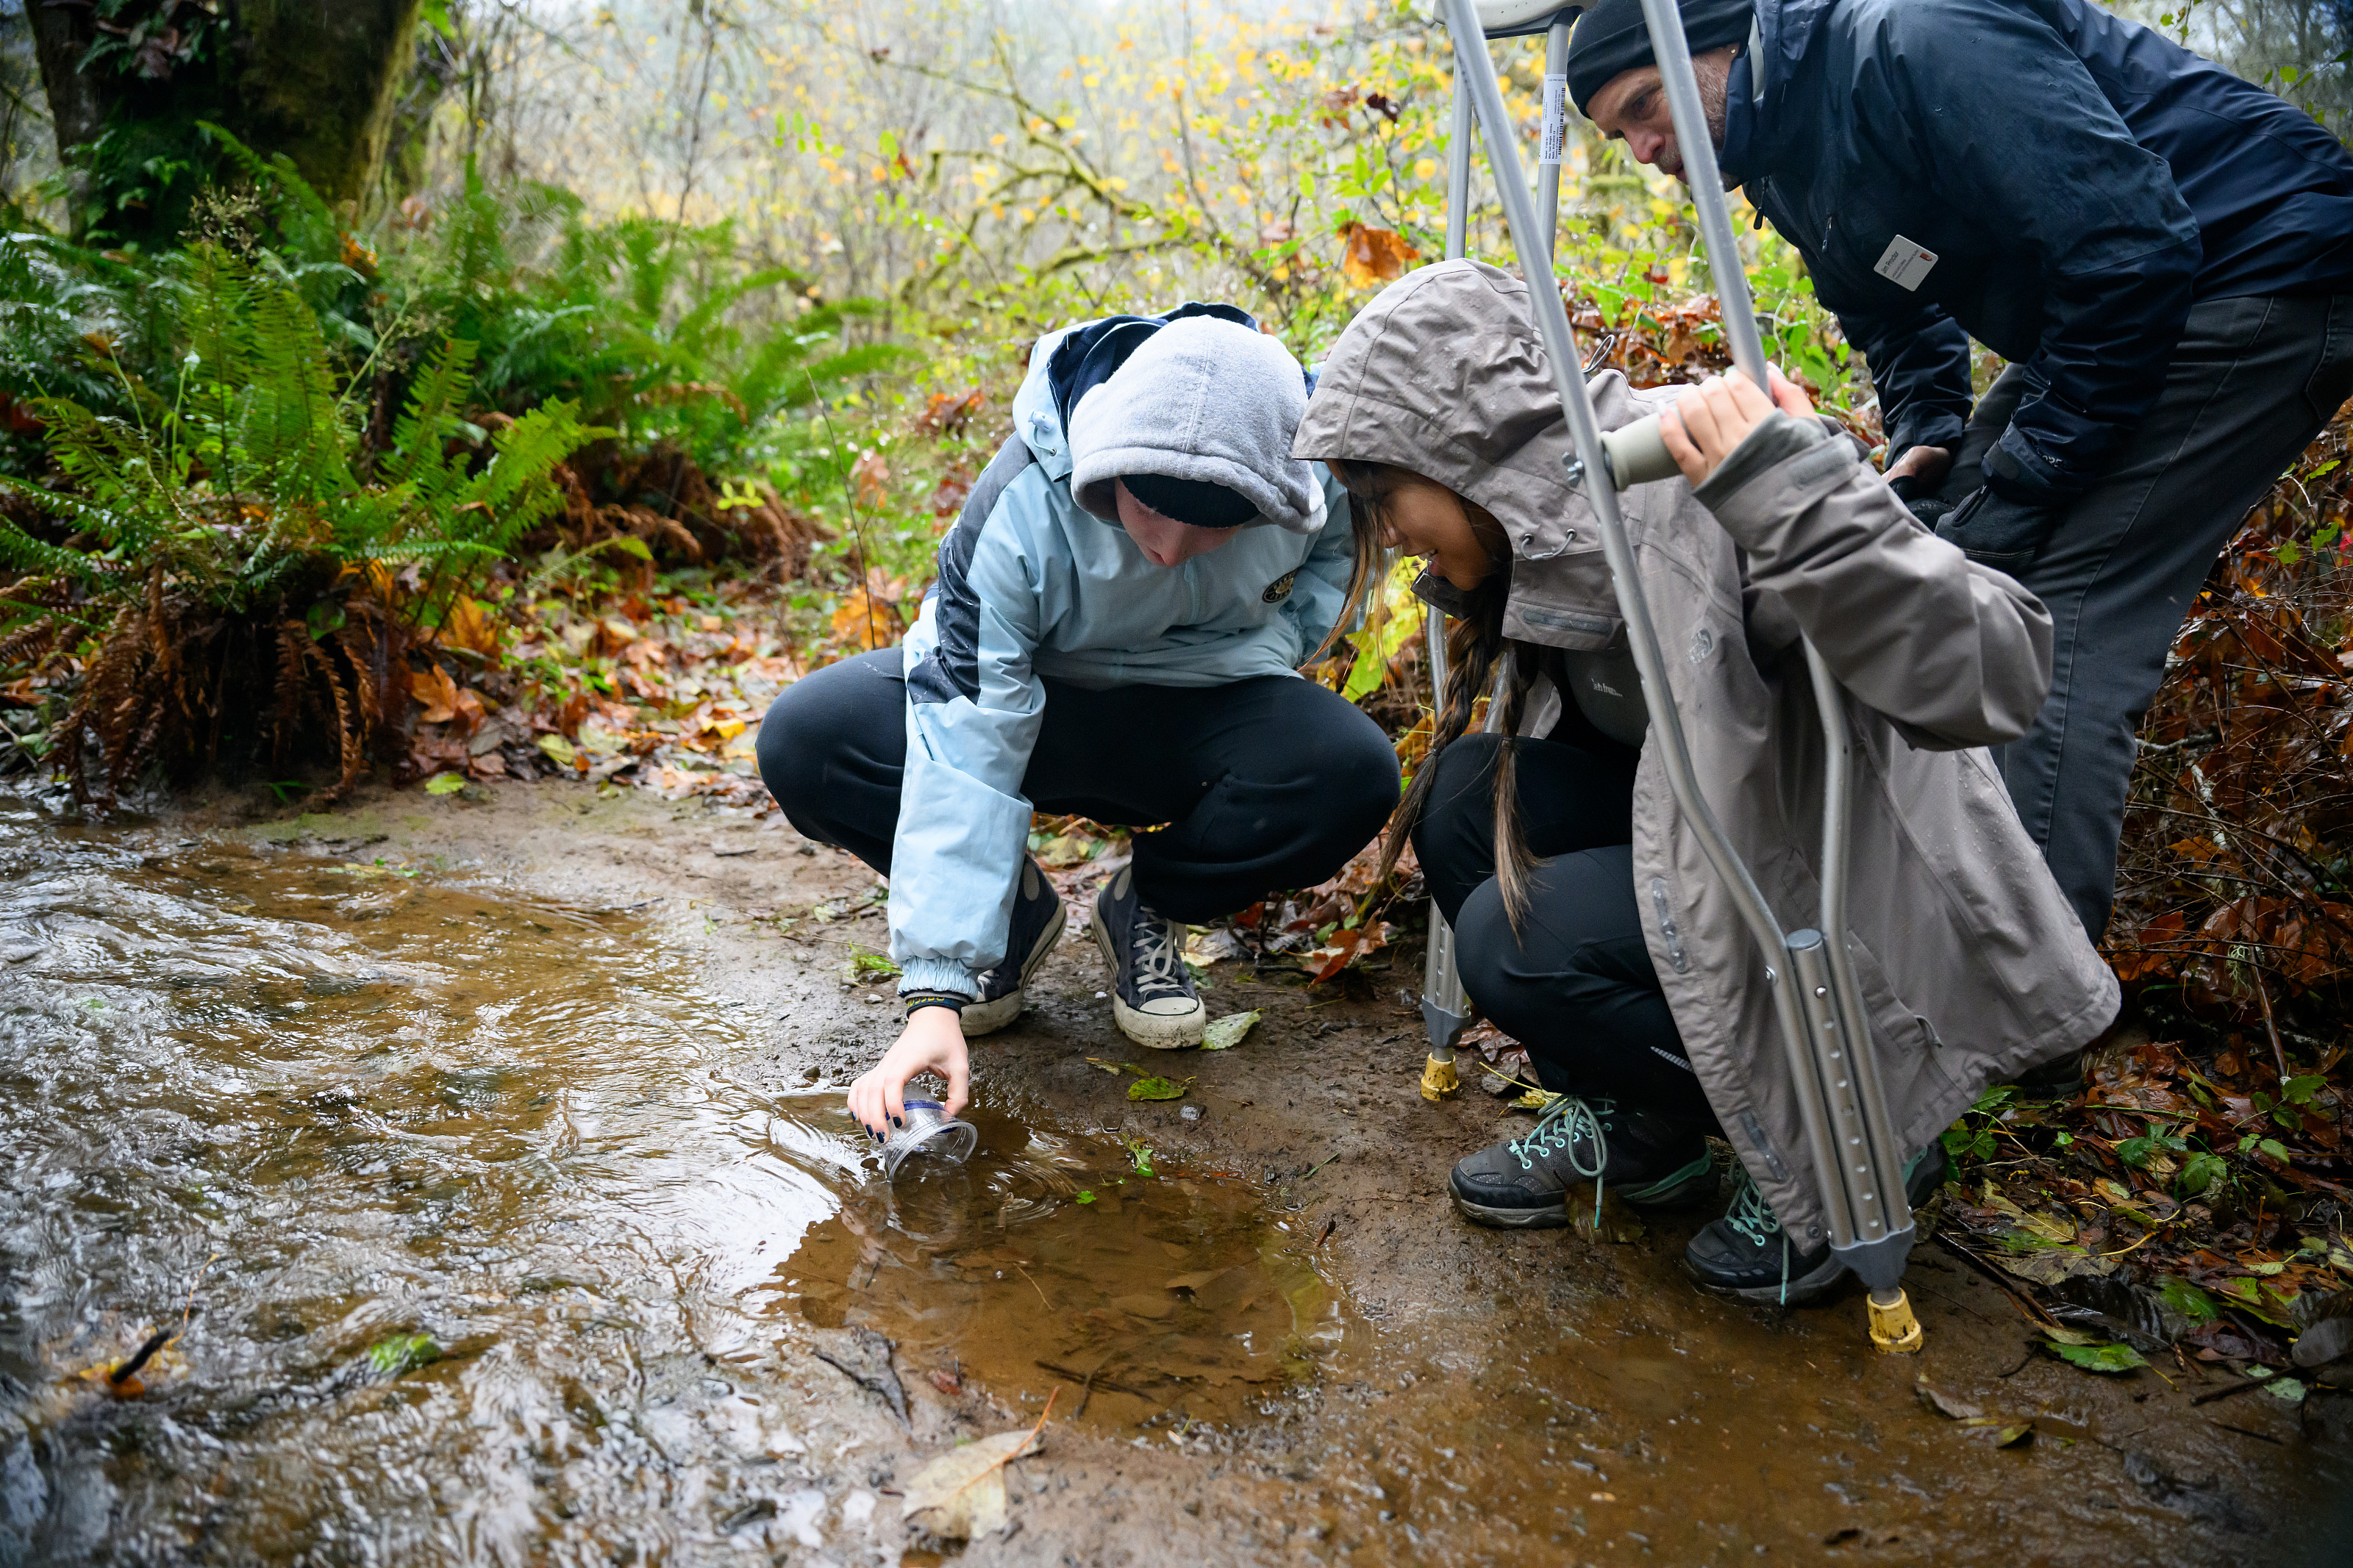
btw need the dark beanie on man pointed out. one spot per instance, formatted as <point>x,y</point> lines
<point>1612,40</point>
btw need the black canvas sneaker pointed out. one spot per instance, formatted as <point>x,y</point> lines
<point>1151,996</point>
<point>1036,927</point>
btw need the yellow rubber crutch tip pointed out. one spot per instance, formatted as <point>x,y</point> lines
<point>1438,1079</point>
<point>1894,1329</point>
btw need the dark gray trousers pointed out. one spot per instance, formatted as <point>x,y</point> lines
<point>2251,383</point>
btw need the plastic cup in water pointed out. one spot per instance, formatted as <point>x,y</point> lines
<point>928,1132</point>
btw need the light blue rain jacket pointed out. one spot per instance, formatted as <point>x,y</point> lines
<point>1030,585</point>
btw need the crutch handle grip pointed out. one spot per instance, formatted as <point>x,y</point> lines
<point>1637,454</point>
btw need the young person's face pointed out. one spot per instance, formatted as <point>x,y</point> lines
<point>1165,541</point>
<point>1422,517</point>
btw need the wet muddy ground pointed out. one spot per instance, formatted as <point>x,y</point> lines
<point>482,1159</point>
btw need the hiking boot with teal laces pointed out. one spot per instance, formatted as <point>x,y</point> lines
<point>1747,1255</point>
<point>1524,1182</point>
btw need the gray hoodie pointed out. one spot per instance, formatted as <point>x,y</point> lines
<point>1201,399</point>
<point>1973,967</point>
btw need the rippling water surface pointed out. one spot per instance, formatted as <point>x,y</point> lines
<point>452,1207</point>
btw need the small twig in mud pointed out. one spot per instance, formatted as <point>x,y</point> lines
<point>1095,1380</point>
<point>2243,1432</point>
<point>1325,1161</point>
<point>138,1358</point>
<point>2025,1307</point>
<point>2226,1393</point>
<point>1033,1285</point>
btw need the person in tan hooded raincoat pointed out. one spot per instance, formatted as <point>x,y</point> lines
<point>1589,923</point>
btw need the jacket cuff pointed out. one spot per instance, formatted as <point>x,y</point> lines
<point>1929,427</point>
<point>939,974</point>
<point>2016,471</point>
<point>1776,438</point>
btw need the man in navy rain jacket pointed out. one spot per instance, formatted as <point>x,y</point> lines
<point>2162,251</point>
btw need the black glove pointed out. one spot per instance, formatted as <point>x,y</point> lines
<point>1921,498</point>
<point>1995,531</point>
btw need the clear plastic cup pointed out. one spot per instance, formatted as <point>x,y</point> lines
<point>929,1133</point>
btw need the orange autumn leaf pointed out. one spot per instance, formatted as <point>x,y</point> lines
<point>1371,256</point>
<point>469,626</point>
<point>866,619</point>
<point>435,692</point>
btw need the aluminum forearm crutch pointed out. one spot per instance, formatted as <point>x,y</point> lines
<point>1824,1029</point>
<point>1445,1010</point>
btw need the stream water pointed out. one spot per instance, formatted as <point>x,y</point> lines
<point>467,1242</point>
<point>456,1223</point>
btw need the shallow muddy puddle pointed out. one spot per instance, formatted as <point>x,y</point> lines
<point>476,1239</point>
<point>457,1225</point>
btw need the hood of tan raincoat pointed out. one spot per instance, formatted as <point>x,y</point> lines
<point>1972,967</point>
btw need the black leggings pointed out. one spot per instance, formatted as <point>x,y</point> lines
<point>1574,984</point>
<point>1265,783</point>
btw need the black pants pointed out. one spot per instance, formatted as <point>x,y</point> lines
<point>1574,984</point>
<point>1265,783</point>
<point>2251,381</point>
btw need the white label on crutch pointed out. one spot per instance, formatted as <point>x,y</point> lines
<point>1904,262</point>
<point>1555,119</point>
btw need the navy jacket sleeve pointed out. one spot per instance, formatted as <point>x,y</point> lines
<point>1920,370</point>
<point>2011,126</point>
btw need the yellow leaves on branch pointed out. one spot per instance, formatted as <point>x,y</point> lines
<point>1371,256</point>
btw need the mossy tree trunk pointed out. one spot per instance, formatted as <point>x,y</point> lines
<point>314,79</point>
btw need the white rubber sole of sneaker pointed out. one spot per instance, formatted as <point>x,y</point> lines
<point>1153,1031</point>
<point>986,1017</point>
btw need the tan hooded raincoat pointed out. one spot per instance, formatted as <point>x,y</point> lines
<point>1973,968</point>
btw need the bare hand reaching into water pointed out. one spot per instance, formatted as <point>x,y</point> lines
<point>932,1041</point>
<point>1712,418</point>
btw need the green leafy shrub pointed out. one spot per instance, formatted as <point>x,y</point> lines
<point>234,550</point>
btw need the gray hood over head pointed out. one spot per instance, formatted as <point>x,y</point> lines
<point>1201,399</point>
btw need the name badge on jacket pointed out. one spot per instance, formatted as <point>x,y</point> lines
<point>1904,262</point>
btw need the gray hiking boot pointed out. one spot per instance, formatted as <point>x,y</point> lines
<point>1036,927</point>
<point>1151,996</point>
<point>1524,1182</point>
<point>1747,1255</point>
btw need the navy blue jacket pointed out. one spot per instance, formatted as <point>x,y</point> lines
<point>2080,180</point>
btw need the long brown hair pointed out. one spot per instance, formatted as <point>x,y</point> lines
<point>1475,644</point>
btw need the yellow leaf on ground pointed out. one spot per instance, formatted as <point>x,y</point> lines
<point>962,1492</point>
<point>470,627</point>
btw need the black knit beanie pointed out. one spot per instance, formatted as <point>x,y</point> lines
<point>1612,40</point>
<point>1197,502</point>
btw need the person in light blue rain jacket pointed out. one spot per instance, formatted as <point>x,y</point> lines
<point>1116,631</point>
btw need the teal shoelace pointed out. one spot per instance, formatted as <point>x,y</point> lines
<point>1565,1120</point>
<point>1753,1217</point>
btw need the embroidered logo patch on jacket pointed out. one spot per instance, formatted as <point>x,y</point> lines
<point>1280,589</point>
